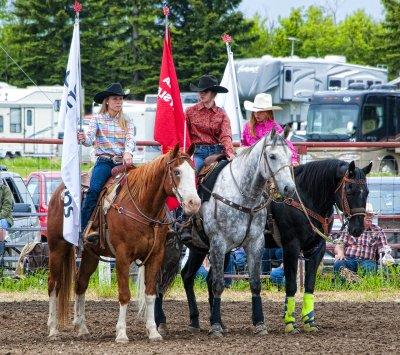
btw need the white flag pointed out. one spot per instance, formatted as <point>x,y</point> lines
<point>230,101</point>
<point>69,118</point>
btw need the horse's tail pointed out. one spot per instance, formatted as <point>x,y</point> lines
<point>66,281</point>
<point>141,288</point>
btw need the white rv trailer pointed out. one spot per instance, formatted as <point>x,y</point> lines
<point>29,113</point>
<point>292,80</point>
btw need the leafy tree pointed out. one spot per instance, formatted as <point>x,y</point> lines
<point>198,26</point>
<point>391,36</point>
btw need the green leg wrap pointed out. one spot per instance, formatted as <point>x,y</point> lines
<point>290,326</point>
<point>307,313</point>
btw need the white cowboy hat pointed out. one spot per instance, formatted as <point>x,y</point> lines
<point>262,102</point>
<point>369,209</point>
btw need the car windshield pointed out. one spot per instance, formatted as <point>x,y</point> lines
<point>332,119</point>
<point>51,184</point>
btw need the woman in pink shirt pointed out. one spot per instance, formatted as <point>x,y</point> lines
<point>262,122</point>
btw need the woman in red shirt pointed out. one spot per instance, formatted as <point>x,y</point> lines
<point>209,126</point>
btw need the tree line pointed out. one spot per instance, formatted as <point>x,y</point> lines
<point>121,40</point>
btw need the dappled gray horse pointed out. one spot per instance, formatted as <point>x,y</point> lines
<point>234,216</point>
<point>242,185</point>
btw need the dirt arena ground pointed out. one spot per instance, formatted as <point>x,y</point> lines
<point>370,327</point>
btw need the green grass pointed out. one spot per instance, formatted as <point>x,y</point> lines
<point>25,166</point>
<point>386,280</point>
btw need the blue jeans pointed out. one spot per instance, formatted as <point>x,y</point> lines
<point>353,264</point>
<point>270,254</point>
<point>229,269</point>
<point>2,250</point>
<point>100,174</point>
<point>4,224</point>
<point>240,259</point>
<point>202,152</point>
<point>277,276</point>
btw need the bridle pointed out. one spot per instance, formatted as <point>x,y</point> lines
<point>174,185</point>
<point>326,221</point>
<point>349,212</point>
<point>141,217</point>
<point>269,188</point>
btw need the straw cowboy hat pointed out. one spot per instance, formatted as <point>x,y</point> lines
<point>115,89</point>
<point>262,102</point>
<point>208,83</point>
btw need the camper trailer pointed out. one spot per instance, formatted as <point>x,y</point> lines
<point>30,112</point>
<point>292,81</point>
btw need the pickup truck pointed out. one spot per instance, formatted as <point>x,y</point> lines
<point>26,226</point>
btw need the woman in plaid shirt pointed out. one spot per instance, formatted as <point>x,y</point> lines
<point>362,252</point>
<point>111,133</point>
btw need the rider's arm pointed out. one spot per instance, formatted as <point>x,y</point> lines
<point>91,133</point>
<point>130,144</point>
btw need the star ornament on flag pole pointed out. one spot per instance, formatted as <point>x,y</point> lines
<point>77,7</point>
<point>166,10</point>
<point>226,38</point>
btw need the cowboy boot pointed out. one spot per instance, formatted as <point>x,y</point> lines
<point>184,229</point>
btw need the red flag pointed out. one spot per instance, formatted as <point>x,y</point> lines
<point>169,127</point>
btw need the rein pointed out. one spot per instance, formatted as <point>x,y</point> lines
<point>141,217</point>
<point>325,221</point>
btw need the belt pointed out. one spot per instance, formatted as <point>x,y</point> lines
<point>208,145</point>
<point>116,159</point>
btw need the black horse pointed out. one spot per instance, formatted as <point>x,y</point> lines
<point>320,185</point>
<point>301,224</point>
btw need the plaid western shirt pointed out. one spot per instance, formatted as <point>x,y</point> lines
<point>108,137</point>
<point>209,126</point>
<point>366,246</point>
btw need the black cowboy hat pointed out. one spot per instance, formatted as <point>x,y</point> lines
<point>115,89</point>
<point>208,83</point>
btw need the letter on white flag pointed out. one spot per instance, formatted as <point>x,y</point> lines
<point>230,101</point>
<point>69,118</point>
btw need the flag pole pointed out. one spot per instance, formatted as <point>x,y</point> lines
<point>78,9</point>
<point>228,39</point>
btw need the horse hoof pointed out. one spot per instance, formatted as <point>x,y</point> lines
<point>193,330</point>
<point>291,328</point>
<point>54,337</point>
<point>163,329</point>
<point>156,338</point>
<point>310,327</point>
<point>122,340</point>
<point>216,331</point>
<point>260,329</point>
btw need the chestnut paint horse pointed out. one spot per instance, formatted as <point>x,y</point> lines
<point>137,230</point>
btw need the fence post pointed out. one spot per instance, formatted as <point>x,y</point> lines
<point>105,272</point>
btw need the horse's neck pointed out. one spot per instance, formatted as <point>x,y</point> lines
<point>245,170</point>
<point>152,199</point>
<point>322,206</point>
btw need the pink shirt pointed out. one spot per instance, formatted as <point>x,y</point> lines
<point>263,128</point>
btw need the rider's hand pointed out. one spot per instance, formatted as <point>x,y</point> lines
<point>127,158</point>
<point>81,136</point>
<point>230,157</point>
<point>339,255</point>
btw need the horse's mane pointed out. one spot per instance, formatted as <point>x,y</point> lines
<point>318,178</point>
<point>144,175</point>
<point>246,151</point>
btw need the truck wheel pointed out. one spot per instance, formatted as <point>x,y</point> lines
<point>8,155</point>
<point>388,165</point>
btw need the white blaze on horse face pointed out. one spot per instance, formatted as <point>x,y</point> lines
<point>187,188</point>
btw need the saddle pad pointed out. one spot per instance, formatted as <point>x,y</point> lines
<point>207,184</point>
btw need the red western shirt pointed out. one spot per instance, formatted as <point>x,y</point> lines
<point>209,126</point>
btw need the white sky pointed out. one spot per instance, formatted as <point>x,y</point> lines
<point>272,9</point>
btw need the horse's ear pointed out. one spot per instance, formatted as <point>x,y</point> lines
<point>342,169</point>
<point>191,149</point>
<point>272,134</point>
<point>286,131</point>
<point>352,169</point>
<point>367,169</point>
<point>174,152</point>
